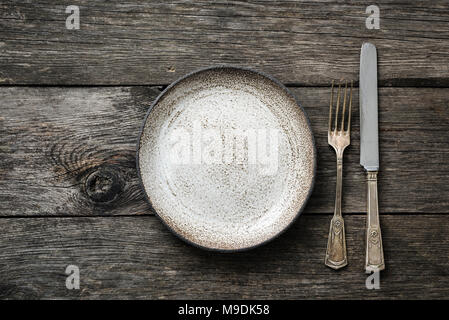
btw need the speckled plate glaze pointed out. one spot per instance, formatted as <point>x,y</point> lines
<point>227,158</point>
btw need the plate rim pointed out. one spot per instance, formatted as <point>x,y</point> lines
<point>314,162</point>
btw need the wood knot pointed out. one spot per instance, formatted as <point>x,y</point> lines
<point>103,185</point>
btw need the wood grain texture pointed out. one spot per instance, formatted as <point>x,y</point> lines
<point>136,257</point>
<point>69,192</point>
<point>71,151</point>
<point>155,42</point>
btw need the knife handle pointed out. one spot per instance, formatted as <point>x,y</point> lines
<point>374,249</point>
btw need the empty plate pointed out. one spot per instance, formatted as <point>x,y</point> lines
<point>227,158</point>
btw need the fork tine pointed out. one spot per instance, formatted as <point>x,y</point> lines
<point>338,106</point>
<point>330,107</point>
<point>350,109</point>
<point>344,108</point>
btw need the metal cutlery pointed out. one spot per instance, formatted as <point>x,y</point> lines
<point>339,139</point>
<point>369,154</point>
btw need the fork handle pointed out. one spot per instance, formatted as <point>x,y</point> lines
<point>336,257</point>
<point>336,244</point>
<point>374,249</point>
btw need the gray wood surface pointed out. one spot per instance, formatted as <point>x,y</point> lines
<point>137,257</point>
<point>72,103</point>
<point>155,42</point>
<point>54,139</point>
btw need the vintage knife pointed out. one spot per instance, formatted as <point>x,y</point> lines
<point>369,154</point>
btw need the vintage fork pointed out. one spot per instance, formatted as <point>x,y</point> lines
<point>339,139</point>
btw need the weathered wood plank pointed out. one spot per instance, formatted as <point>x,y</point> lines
<point>155,42</point>
<point>137,257</point>
<point>53,139</point>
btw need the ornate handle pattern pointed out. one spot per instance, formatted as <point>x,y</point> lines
<point>374,249</point>
<point>336,244</point>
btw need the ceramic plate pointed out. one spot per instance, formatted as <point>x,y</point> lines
<point>226,157</point>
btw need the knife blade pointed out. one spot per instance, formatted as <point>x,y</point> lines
<point>369,144</point>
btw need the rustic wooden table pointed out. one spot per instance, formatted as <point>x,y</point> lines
<point>72,102</point>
